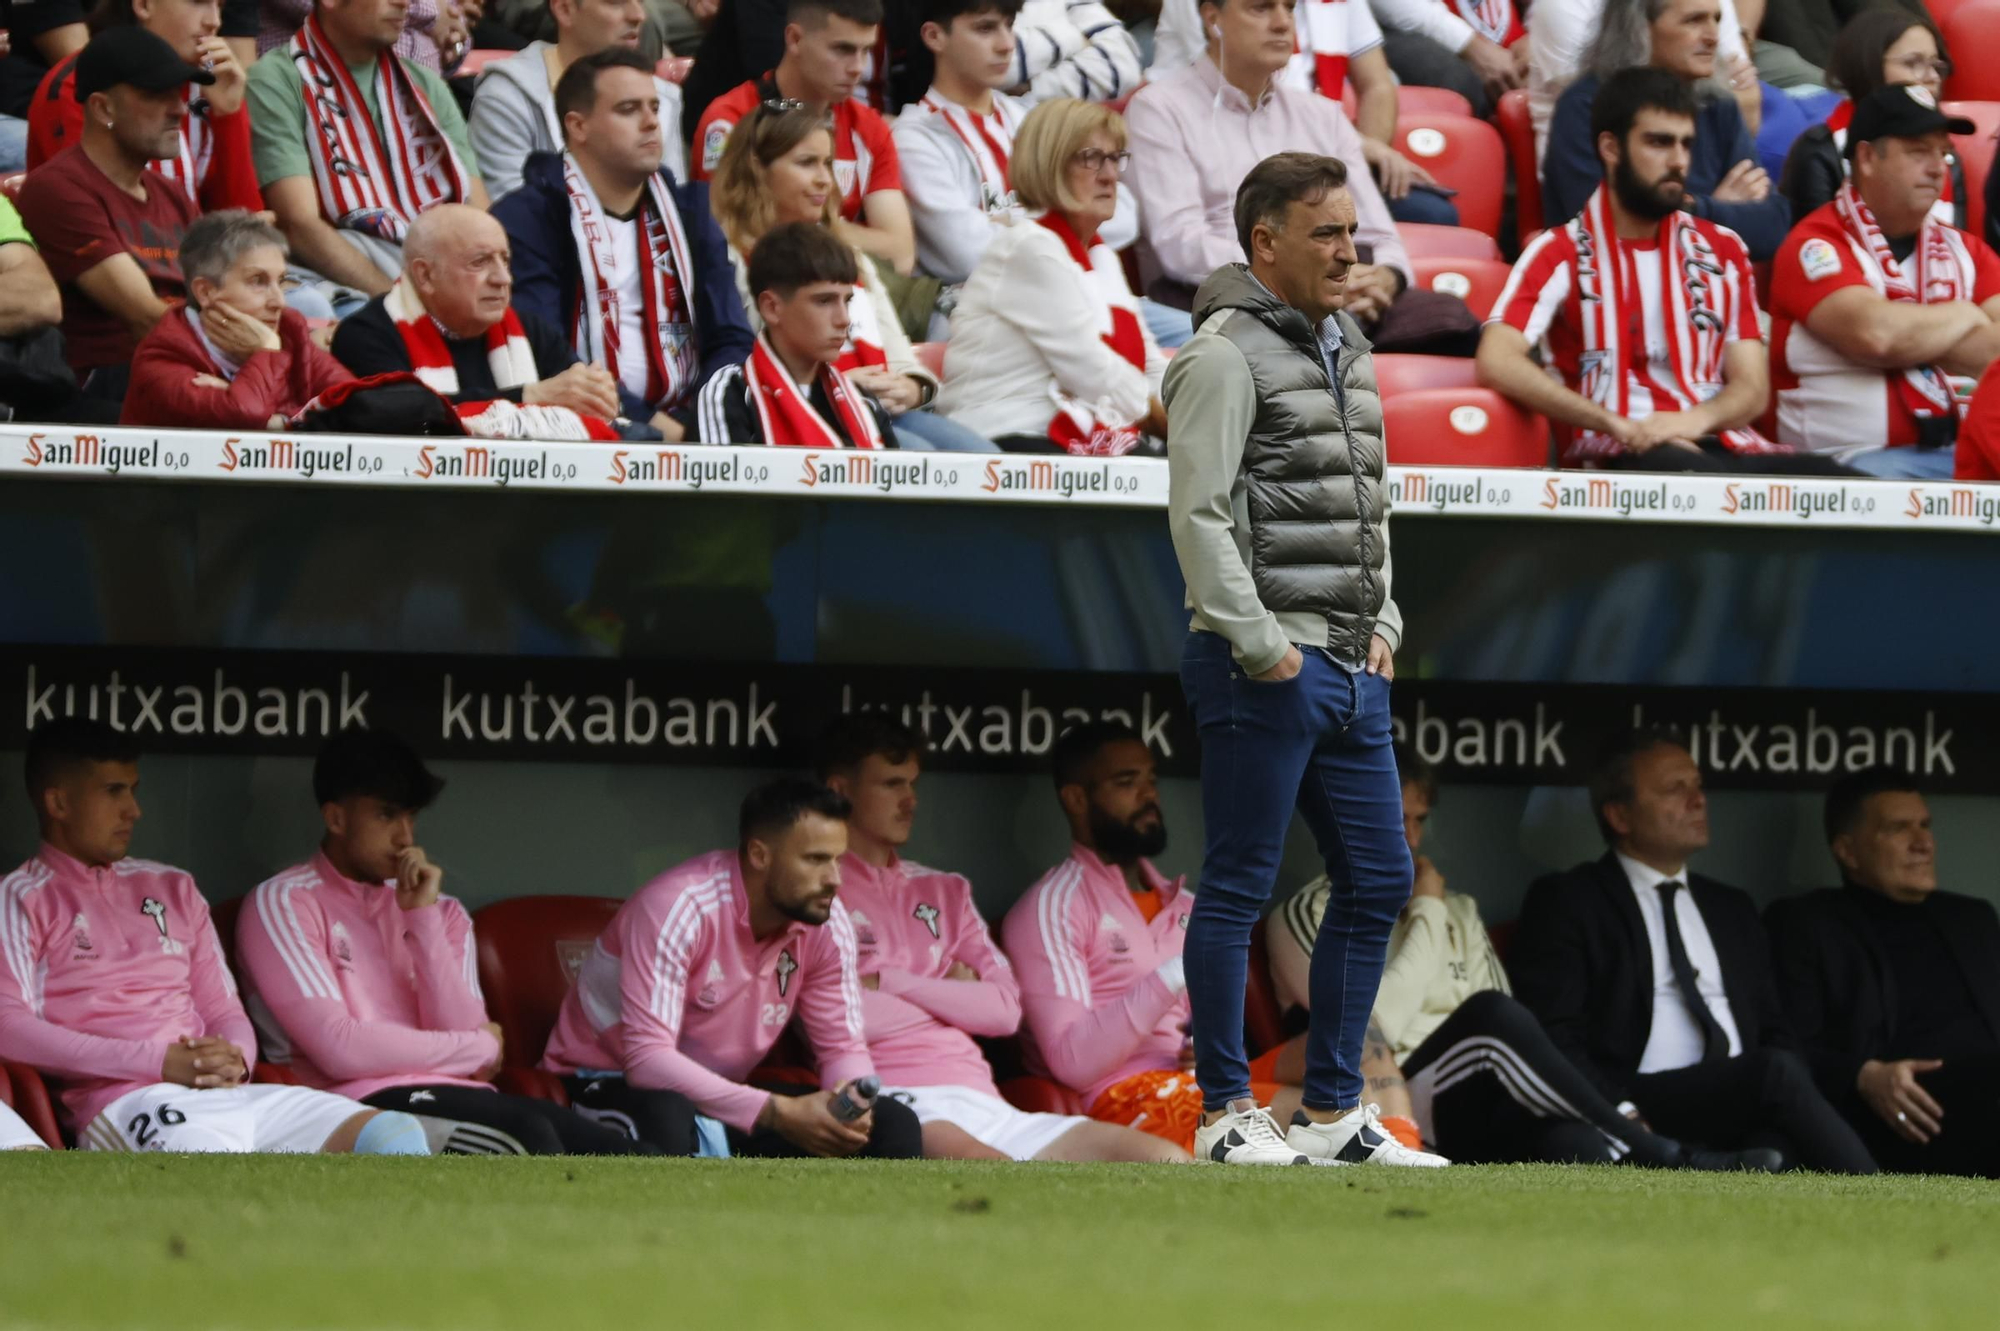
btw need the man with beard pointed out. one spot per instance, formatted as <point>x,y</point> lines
<point>1650,311</point>
<point>1097,945</point>
<point>699,973</point>
<point>932,977</point>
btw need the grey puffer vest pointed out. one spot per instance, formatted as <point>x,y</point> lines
<point>1313,465</point>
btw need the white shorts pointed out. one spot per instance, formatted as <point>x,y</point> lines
<point>14,1133</point>
<point>167,1117</point>
<point>992,1121</point>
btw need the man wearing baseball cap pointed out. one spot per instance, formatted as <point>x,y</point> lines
<point>108,224</point>
<point>1882,315</point>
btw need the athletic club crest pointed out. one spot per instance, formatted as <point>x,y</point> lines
<point>343,946</point>
<point>82,934</point>
<point>864,929</point>
<point>928,913</point>
<point>157,909</point>
<point>786,965</point>
<point>711,989</point>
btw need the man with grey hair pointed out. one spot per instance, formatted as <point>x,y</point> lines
<point>234,357</point>
<point>1724,183</point>
<point>450,320</point>
<point>1279,510</point>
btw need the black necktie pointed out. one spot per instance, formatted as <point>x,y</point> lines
<point>1714,1040</point>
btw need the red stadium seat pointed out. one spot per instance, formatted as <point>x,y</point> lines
<point>274,1074</point>
<point>1967,28</point>
<point>931,356</point>
<point>533,1083</point>
<point>1478,281</point>
<point>478,59</point>
<point>1423,240</point>
<point>1402,373</point>
<point>1975,156</point>
<point>1501,935</point>
<point>1464,154</point>
<point>22,1089</point>
<point>675,68</point>
<point>529,952</point>
<point>1414,100</point>
<point>223,917</point>
<point>1468,427</point>
<point>1039,1095</point>
<point>1263,1015</point>
<point>1519,131</point>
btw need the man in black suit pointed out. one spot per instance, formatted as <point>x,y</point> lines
<point>1657,983</point>
<point>1894,986</point>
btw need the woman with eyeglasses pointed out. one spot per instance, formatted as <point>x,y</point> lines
<point>1879,48</point>
<point>777,167</point>
<point>1048,352</point>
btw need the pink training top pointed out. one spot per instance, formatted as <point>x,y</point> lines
<point>911,924</point>
<point>104,968</point>
<point>1097,1012</point>
<point>679,995</point>
<point>358,994</point>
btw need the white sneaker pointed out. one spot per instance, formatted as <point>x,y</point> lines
<point>1244,1136</point>
<point>1355,1139</point>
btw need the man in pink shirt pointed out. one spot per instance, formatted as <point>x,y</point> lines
<point>1097,944</point>
<point>1195,134</point>
<point>931,976</point>
<point>697,976</point>
<point>364,978</point>
<point>112,980</point>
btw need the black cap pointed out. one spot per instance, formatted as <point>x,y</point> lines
<point>135,56</point>
<point>1906,111</point>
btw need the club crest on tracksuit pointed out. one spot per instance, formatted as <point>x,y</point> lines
<point>343,946</point>
<point>711,989</point>
<point>156,908</point>
<point>864,929</point>
<point>81,934</point>
<point>786,965</point>
<point>927,913</point>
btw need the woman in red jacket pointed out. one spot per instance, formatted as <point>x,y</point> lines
<point>234,357</point>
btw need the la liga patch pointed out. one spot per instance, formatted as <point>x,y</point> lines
<point>1819,259</point>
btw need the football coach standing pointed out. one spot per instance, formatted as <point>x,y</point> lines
<point>1279,508</point>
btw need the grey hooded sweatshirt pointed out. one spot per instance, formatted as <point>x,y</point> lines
<point>514,114</point>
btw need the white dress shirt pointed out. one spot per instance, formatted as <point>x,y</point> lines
<point>1675,1040</point>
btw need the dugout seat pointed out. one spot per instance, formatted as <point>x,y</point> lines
<point>529,951</point>
<point>1462,427</point>
<point>1263,1015</point>
<point>1501,935</point>
<point>1039,1095</point>
<point>1478,282</point>
<point>1399,372</point>
<point>22,1089</point>
<point>1517,127</point>
<point>1975,156</point>
<point>1413,100</point>
<point>1424,240</point>
<point>1463,154</point>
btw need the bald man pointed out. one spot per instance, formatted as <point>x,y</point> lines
<point>450,320</point>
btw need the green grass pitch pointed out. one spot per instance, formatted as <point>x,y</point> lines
<point>149,1241</point>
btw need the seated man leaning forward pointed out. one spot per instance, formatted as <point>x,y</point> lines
<point>932,977</point>
<point>113,981</point>
<point>450,320</point>
<point>234,357</point>
<point>365,976</point>
<point>1097,943</point>
<point>696,977</point>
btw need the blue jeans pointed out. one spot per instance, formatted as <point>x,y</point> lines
<point>924,431</point>
<point>1420,205</point>
<point>1906,464</point>
<point>1318,742</point>
<point>13,145</point>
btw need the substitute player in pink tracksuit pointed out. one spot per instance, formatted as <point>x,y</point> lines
<point>1097,945</point>
<point>364,978</point>
<point>696,976</point>
<point>112,979</point>
<point>931,975</point>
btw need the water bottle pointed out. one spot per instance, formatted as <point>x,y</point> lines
<point>856,1098</point>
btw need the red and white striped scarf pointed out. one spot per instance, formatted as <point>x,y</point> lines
<point>1610,304</point>
<point>1321,31</point>
<point>1076,426</point>
<point>372,177</point>
<point>1938,277</point>
<point>512,361</point>
<point>666,279</point>
<point>189,167</point>
<point>988,138</point>
<point>787,417</point>
<point>1944,210</point>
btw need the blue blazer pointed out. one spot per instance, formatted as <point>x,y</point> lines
<point>548,272</point>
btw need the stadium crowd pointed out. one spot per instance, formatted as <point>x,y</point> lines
<point>809,990</point>
<point>1750,237</point>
